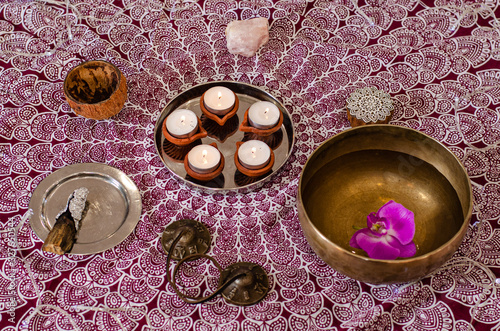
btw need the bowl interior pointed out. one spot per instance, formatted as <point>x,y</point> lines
<point>92,82</point>
<point>358,172</point>
<point>343,192</point>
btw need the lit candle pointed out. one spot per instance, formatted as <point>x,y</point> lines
<point>181,123</point>
<point>204,159</point>
<point>263,115</point>
<point>254,154</point>
<point>219,100</point>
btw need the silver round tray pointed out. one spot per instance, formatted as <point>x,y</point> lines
<point>231,178</point>
<point>114,205</point>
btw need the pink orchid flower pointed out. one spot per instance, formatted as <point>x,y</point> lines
<point>389,234</point>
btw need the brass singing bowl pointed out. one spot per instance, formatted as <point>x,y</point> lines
<point>356,172</point>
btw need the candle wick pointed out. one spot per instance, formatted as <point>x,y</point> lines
<point>253,152</point>
<point>220,96</point>
<point>204,156</point>
<point>183,119</point>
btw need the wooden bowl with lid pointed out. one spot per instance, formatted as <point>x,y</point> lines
<point>369,105</point>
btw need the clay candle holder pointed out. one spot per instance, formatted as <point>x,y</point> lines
<point>247,158</point>
<point>263,115</point>
<point>226,111</point>
<point>273,140</point>
<point>95,89</point>
<point>188,139</point>
<point>219,100</point>
<point>182,123</point>
<point>185,135</point>
<point>178,153</point>
<point>246,126</point>
<point>220,132</point>
<point>202,164</point>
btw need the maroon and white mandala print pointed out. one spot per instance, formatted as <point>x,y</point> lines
<point>437,59</point>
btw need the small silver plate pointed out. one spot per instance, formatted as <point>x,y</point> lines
<point>114,205</point>
<point>231,179</point>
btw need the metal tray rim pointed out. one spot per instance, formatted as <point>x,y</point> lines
<point>289,128</point>
<point>127,186</point>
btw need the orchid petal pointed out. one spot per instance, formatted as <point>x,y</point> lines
<point>399,220</point>
<point>353,242</point>
<point>371,219</point>
<point>407,250</point>
<point>376,247</point>
<point>389,234</point>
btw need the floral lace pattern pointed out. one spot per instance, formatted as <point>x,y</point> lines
<point>438,60</point>
<point>370,104</point>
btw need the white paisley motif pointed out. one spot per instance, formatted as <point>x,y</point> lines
<point>438,60</point>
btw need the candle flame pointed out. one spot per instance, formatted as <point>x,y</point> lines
<point>265,113</point>
<point>204,156</point>
<point>183,119</point>
<point>253,152</point>
<point>220,96</point>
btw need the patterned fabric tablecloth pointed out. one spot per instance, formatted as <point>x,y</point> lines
<point>438,60</point>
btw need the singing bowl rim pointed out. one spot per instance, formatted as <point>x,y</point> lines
<point>426,263</point>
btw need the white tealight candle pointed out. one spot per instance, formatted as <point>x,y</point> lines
<point>219,100</point>
<point>181,123</point>
<point>204,159</point>
<point>254,154</point>
<point>263,115</point>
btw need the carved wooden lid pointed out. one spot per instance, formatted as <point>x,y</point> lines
<point>370,105</point>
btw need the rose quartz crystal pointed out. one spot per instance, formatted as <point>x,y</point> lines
<point>246,37</point>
